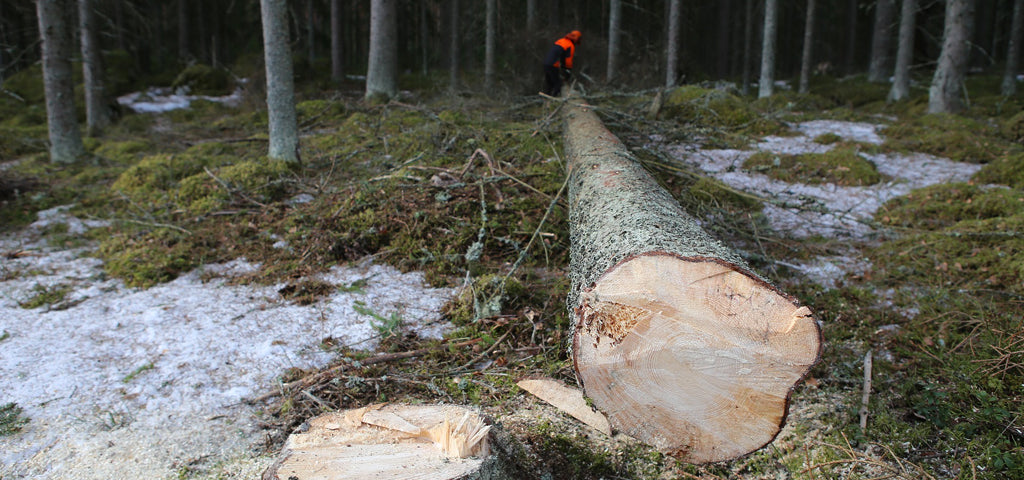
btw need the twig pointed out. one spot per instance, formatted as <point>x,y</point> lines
<point>485,352</point>
<point>866,396</point>
<point>308,380</point>
<point>159,225</point>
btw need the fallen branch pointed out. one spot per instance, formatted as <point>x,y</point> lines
<point>866,395</point>
<point>311,379</point>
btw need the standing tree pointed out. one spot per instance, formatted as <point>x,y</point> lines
<point>55,30</point>
<point>453,46</point>
<point>1013,49</point>
<point>771,23</point>
<point>805,59</point>
<point>310,32</point>
<point>748,45</point>
<point>614,18</point>
<point>382,72</point>
<point>905,53</point>
<point>492,26</point>
<point>284,137</point>
<point>851,37</point>
<point>97,116</point>
<point>183,20</point>
<point>337,50</point>
<point>944,94</point>
<point>672,62</point>
<point>879,69</point>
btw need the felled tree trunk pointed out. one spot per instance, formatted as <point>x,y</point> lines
<point>675,338</point>
<point>429,442</point>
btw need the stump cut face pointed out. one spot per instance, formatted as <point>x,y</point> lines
<point>692,356</point>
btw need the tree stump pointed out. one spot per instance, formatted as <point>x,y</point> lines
<point>675,338</point>
<point>435,442</point>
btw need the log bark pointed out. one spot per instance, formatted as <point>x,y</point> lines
<point>391,442</point>
<point>675,338</point>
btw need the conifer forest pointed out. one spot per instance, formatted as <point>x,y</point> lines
<point>495,239</point>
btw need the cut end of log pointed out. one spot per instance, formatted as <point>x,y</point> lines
<point>692,356</point>
<point>387,442</point>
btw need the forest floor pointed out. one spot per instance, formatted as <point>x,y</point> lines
<point>155,301</point>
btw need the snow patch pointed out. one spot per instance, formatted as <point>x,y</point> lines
<point>163,99</point>
<point>156,378</point>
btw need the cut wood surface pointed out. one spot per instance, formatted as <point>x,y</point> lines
<point>675,339</point>
<point>390,442</point>
<point>567,399</point>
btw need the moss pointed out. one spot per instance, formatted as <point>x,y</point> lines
<point>27,84</point>
<point>944,135</point>
<point>828,138</point>
<point>12,419</point>
<point>718,108</point>
<point>321,111</point>
<point>201,79</point>
<point>1006,170</point>
<point>1013,128</point>
<point>154,181</point>
<point>44,296</point>
<point>250,181</point>
<point>840,166</point>
<point>17,142</point>
<point>851,92</point>
<point>942,206</point>
<point>709,190</point>
<point>124,152</point>
<point>146,258</point>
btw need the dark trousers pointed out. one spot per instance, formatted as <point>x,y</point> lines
<point>552,81</point>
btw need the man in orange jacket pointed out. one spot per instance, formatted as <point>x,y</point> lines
<point>558,62</point>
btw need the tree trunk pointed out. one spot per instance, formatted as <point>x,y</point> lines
<point>429,442</point>
<point>1013,49</point>
<point>310,33</point>
<point>675,338</point>
<point>748,46</point>
<point>382,73</point>
<point>97,115</point>
<point>183,53</point>
<point>284,138</point>
<point>944,94</point>
<point>725,19</point>
<point>531,16</point>
<point>614,18</point>
<point>851,38</point>
<point>492,27</point>
<point>805,58</point>
<point>55,30</point>
<point>672,60</point>
<point>337,48</point>
<point>453,46</point>
<point>881,39</point>
<point>905,53</point>
<point>771,24</point>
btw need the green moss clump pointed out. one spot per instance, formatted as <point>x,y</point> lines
<point>849,92</point>
<point>250,181</point>
<point>840,166</point>
<point>147,258</point>
<point>1013,128</point>
<point>155,179</point>
<point>20,141</point>
<point>709,190</point>
<point>944,135</point>
<point>941,206</point>
<point>718,108</point>
<point>1006,170</point>
<point>202,79</point>
<point>27,84</point>
<point>321,111</point>
<point>11,419</point>
<point>828,138</point>
<point>44,296</point>
<point>122,151</point>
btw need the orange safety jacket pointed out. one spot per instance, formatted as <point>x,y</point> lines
<point>570,50</point>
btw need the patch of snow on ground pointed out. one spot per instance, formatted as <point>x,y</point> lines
<point>163,99</point>
<point>128,383</point>
<point>802,210</point>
